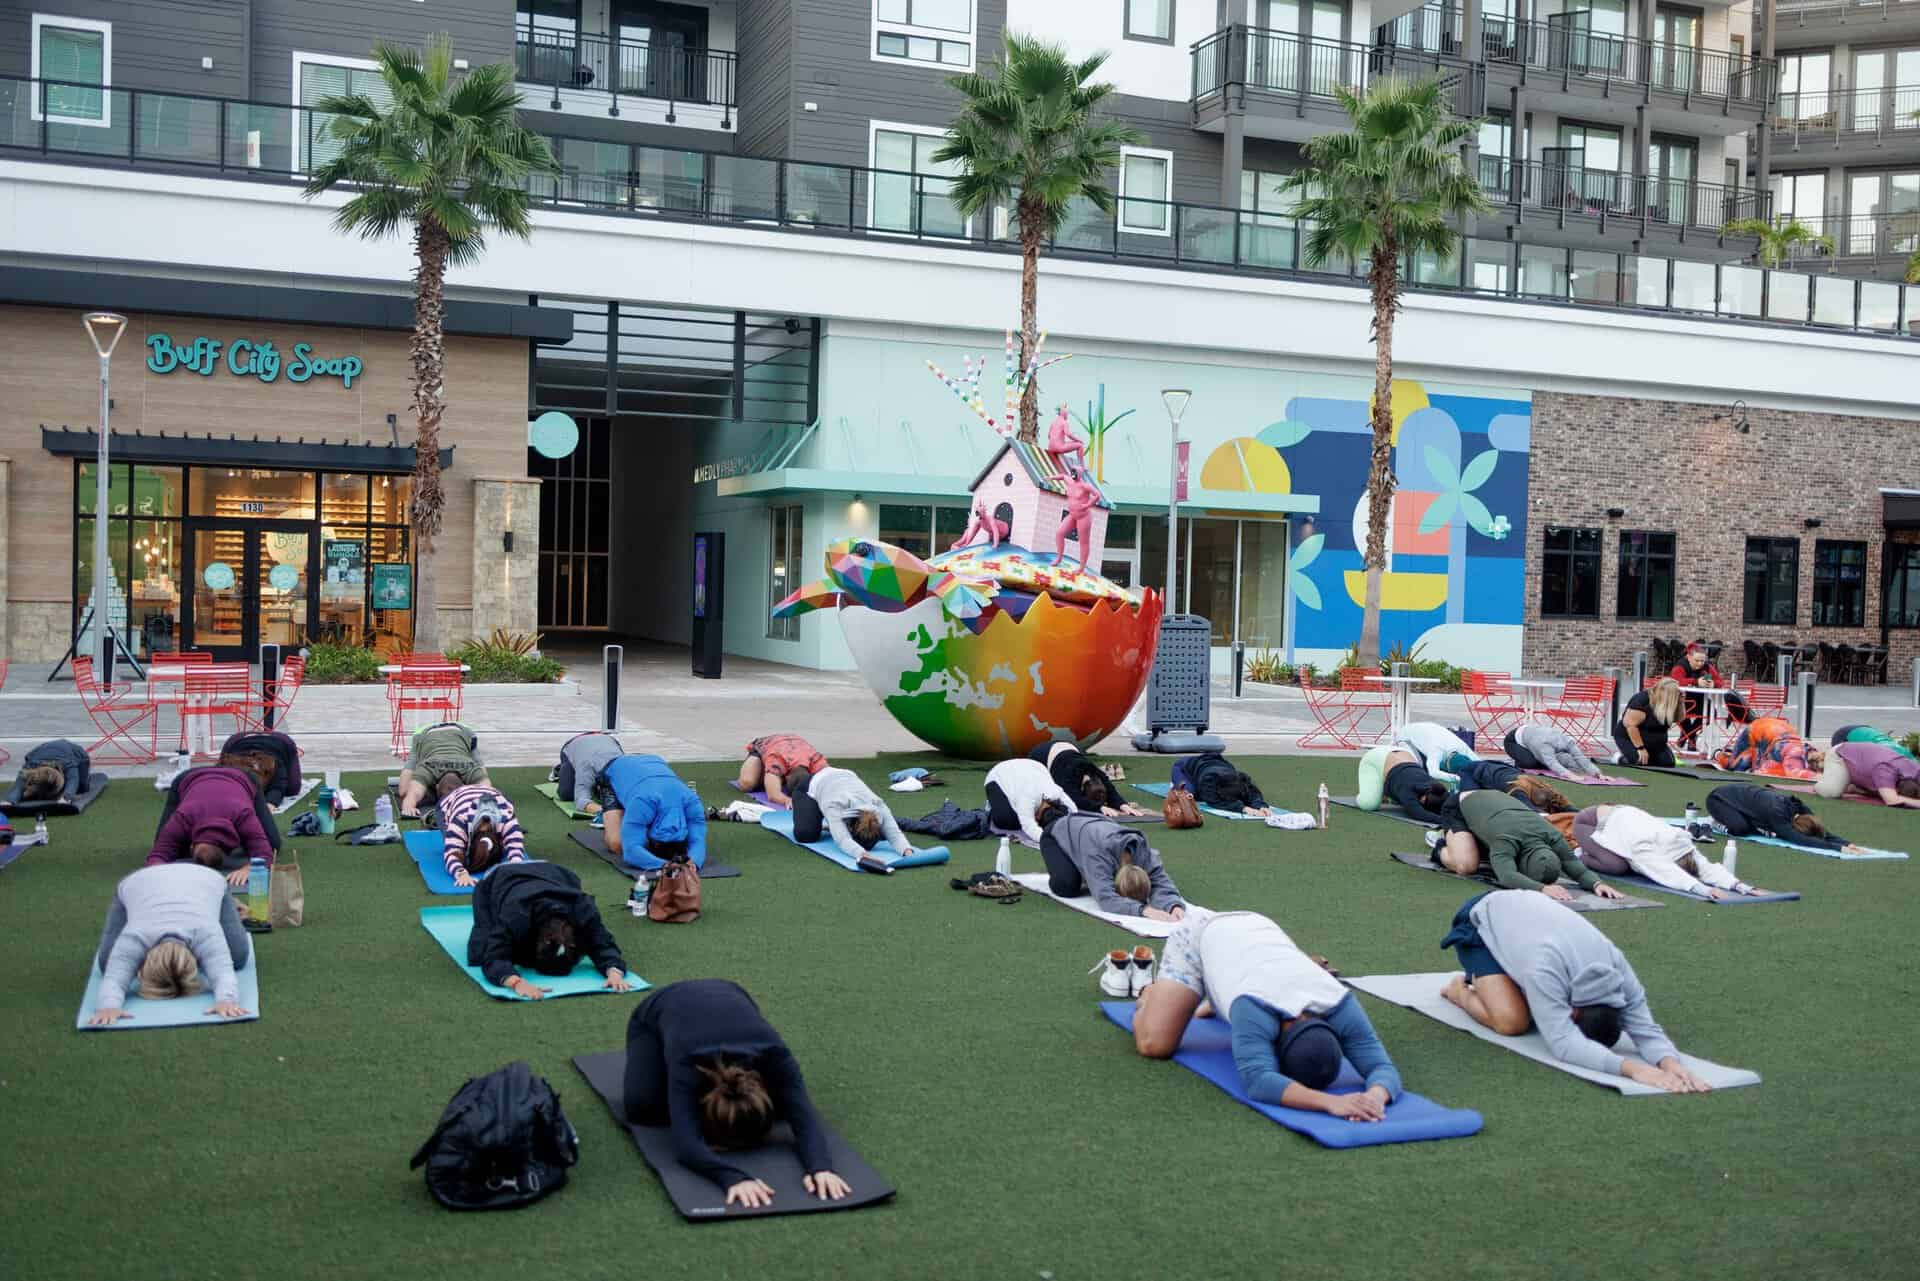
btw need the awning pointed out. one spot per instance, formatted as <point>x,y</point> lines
<point>1900,508</point>
<point>234,451</point>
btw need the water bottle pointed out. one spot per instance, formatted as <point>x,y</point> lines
<point>1692,813</point>
<point>1731,859</point>
<point>323,810</point>
<point>383,810</point>
<point>1323,807</point>
<point>258,899</point>
<point>41,835</point>
<point>1003,861</point>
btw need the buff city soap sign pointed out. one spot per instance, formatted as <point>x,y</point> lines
<point>243,358</point>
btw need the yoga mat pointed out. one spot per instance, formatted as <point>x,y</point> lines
<point>11,851</point>
<point>1732,899</point>
<point>1806,789</point>
<point>1421,993</point>
<point>1583,900</point>
<point>1387,810</point>
<point>1604,780</point>
<point>64,807</point>
<point>428,851</point>
<point>1701,773</point>
<point>1206,1050</point>
<point>777,1163</point>
<point>758,795</point>
<point>1036,883</point>
<point>1161,790</point>
<point>450,927</point>
<point>780,823</point>
<point>306,785</point>
<point>594,842</point>
<point>1870,856</point>
<point>182,1011</point>
<point>552,792</point>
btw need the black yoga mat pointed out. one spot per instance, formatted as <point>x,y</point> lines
<point>1388,809</point>
<point>64,807</point>
<point>777,1164</point>
<point>594,841</point>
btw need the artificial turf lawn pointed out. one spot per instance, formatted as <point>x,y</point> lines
<point>957,1044</point>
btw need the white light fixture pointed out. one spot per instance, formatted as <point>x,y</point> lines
<point>1175,399</point>
<point>104,328</point>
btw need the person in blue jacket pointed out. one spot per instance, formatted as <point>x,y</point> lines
<point>654,816</point>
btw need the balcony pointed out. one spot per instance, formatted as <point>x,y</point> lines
<point>1644,205</point>
<point>1287,84</point>
<point>1862,126</point>
<point>1810,23</point>
<point>1874,245</point>
<point>562,71</point>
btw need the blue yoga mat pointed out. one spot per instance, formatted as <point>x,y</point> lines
<point>182,1011</point>
<point>1869,856</point>
<point>1207,1051</point>
<point>780,822</point>
<point>1732,900</point>
<point>428,850</point>
<point>1161,790</point>
<point>450,927</point>
<point>10,852</point>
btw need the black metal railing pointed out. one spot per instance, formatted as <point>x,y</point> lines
<point>1804,11</point>
<point>1869,116</point>
<point>1278,65</point>
<point>1646,200</point>
<point>561,61</point>
<point>1575,53</point>
<point>274,142</point>
<point>1892,237</point>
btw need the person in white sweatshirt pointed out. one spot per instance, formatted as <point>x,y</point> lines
<point>833,801</point>
<point>1016,792</point>
<point>1433,743</point>
<point>173,929</point>
<point>1617,839</point>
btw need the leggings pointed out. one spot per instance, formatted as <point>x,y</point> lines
<point>1734,820</point>
<point>1373,776</point>
<point>1000,810</point>
<point>1518,754</point>
<point>645,1092</point>
<point>809,825</point>
<point>1595,855</point>
<point>1658,753</point>
<point>1063,874</point>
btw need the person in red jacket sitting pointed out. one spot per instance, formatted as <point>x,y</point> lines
<point>1693,671</point>
<point>215,823</point>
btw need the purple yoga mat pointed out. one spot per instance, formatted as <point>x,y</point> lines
<point>1603,780</point>
<point>759,798</point>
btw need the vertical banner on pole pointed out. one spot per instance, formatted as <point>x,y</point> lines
<point>613,656</point>
<point>269,681</point>
<point>1184,456</point>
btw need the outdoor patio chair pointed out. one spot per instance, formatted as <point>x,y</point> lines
<point>221,689</point>
<point>279,700</point>
<point>1339,713</point>
<point>436,690</point>
<point>1491,703</point>
<point>1873,667</point>
<point>1762,700</point>
<point>118,716</point>
<point>1585,704</point>
<point>1846,661</point>
<point>1751,649</point>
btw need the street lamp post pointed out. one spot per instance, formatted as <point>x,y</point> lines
<point>104,328</point>
<point>1175,399</point>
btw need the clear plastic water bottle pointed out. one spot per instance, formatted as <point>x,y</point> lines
<point>1691,814</point>
<point>41,836</point>
<point>383,810</point>
<point>1003,861</point>
<point>1323,807</point>
<point>258,898</point>
<point>1731,859</point>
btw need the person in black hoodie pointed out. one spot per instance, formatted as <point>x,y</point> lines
<point>1214,780</point>
<point>1076,774</point>
<point>1746,809</point>
<point>536,914</point>
<point>703,1061</point>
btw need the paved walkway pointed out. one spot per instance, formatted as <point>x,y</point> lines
<point>665,709</point>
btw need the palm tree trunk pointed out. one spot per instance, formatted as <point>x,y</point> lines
<point>428,355</point>
<point>1383,278</point>
<point>1029,325</point>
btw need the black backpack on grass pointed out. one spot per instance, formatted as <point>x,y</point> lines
<point>502,1143</point>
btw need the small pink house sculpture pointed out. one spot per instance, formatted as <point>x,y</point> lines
<point>1024,487</point>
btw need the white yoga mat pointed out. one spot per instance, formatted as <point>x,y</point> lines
<point>1421,992</point>
<point>1036,883</point>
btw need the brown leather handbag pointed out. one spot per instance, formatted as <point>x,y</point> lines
<point>1181,810</point>
<point>675,899</point>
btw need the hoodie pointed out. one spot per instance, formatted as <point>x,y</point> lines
<point>1524,851</point>
<point>1433,743</point>
<point>1095,844</point>
<point>655,806</point>
<point>1027,786</point>
<point>75,766</point>
<point>514,898</point>
<point>216,808</point>
<point>1659,851</point>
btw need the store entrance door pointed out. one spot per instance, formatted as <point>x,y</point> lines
<point>252,584</point>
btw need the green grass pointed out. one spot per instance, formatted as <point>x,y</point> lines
<point>956,1043</point>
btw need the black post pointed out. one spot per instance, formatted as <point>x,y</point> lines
<point>613,657</point>
<point>269,682</point>
<point>1613,711</point>
<point>1239,665</point>
<point>1807,686</point>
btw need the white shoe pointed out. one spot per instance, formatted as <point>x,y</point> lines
<point>179,765</point>
<point>1434,838</point>
<point>1116,974</point>
<point>1142,968</point>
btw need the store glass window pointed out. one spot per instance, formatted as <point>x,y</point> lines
<point>1263,584</point>
<point>1570,573</point>
<point>785,569</point>
<point>153,590</point>
<point>909,528</point>
<point>243,493</point>
<point>1839,583</point>
<point>1646,575</point>
<point>1772,587</point>
<point>1902,605</point>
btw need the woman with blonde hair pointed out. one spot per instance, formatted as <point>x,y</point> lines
<point>703,1061</point>
<point>1092,854</point>
<point>173,929</point>
<point>1641,733</point>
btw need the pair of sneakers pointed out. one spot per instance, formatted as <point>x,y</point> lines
<point>1123,974</point>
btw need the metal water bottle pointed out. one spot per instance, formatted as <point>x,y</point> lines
<point>1731,859</point>
<point>1003,861</point>
<point>1323,807</point>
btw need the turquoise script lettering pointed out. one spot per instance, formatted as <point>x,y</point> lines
<point>305,365</point>
<point>164,356</point>
<point>245,357</point>
<point>261,360</point>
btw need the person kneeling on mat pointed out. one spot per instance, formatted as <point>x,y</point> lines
<point>1868,734</point>
<point>1530,962</point>
<point>1478,775</point>
<point>1017,790</point>
<point>174,929</point>
<point>581,773</point>
<point>536,915</point>
<point>1292,1020</point>
<point>703,1061</point>
<point>1432,743</point>
<point>1548,747</point>
<point>1092,792</point>
<point>481,831</point>
<point>1622,839</point>
<point>1641,732</point>
<point>654,816</point>
<point>437,751</point>
<point>833,800</point>
<point>57,770</point>
<point>217,811</point>
<point>1876,770</point>
<point>1092,854</point>
<point>1390,772</point>
<point>1747,809</point>
<point>1523,850</point>
<point>772,761</point>
<point>1215,781</point>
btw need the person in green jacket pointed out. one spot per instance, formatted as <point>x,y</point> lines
<point>1868,734</point>
<point>1522,849</point>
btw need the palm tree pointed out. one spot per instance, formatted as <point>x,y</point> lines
<point>1912,275</point>
<point>444,163</point>
<point>1394,185</point>
<point>1777,238</point>
<point>1028,137</point>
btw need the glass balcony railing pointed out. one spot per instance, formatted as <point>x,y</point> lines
<point>274,142</point>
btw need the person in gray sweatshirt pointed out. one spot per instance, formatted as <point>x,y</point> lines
<point>582,771</point>
<point>1531,962</point>
<point>1092,854</point>
<point>173,929</point>
<point>835,800</point>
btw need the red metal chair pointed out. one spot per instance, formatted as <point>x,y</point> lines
<point>1585,702</point>
<point>1340,714</point>
<point>279,700</point>
<point>1762,700</point>
<point>423,689</point>
<point>118,717</point>
<point>167,681</point>
<point>1492,704</point>
<point>221,689</point>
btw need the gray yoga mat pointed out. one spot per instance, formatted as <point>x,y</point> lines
<point>1387,810</point>
<point>63,807</point>
<point>1583,901</point>
<point>594,841</point>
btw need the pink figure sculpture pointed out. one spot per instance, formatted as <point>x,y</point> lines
<point>982,521</point>
<point>1081,497</point>
<point>1068,449</point>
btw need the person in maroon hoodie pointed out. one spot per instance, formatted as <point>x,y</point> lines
<point>215,823</point>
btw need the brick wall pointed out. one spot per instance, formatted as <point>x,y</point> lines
<point>1674,468</point>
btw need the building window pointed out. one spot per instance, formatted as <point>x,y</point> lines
<point>74,56</point>
<point>1902,605</point>
<point>923,530</point>
<point>546,40</point>
<point>937,33</point>
<point>911,191</point>
<point>785,572</point>
<point>317,77</point>
<point>1839,583</point>
<point>1646,575</point>
<point>576,522</point>
<point>1146,187</point>
<point>1150,20</point>
<point>1773,580</point>
<point>1570,573</point>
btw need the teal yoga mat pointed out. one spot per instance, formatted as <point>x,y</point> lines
<point>1161,789</point>
<point>182,1011</point>
<point>780,822</point>
<point>450,927</point>
<point>1870,856</point>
